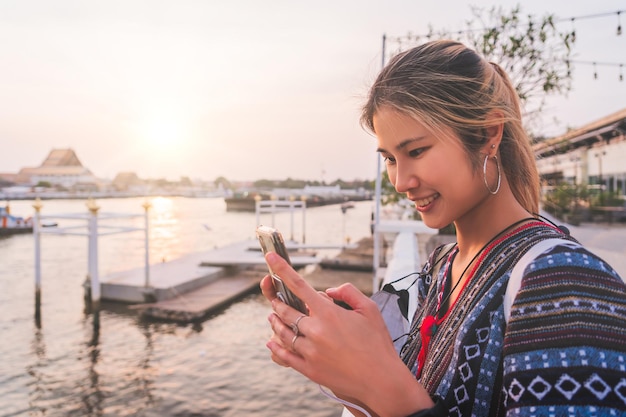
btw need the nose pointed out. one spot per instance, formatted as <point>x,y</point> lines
<point>403,179</point>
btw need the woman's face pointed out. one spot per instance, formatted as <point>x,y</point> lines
<point>432,171</point>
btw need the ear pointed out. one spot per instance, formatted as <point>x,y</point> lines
<point>493,133</point>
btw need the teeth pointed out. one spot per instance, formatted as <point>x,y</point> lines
<point>425,201</point>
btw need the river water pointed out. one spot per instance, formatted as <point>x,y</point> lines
<point>59,366</point>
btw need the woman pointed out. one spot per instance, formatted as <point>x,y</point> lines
<point>448,125</point>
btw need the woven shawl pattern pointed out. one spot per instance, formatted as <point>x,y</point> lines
<point>465,358</point>
<point>565,344</point>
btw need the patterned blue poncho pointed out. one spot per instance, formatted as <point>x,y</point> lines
<point>562,352</point>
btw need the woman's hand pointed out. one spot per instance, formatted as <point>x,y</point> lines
<point>348,351</point>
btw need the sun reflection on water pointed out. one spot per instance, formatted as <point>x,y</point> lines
<point>165,241</point>
<point>130,366</point>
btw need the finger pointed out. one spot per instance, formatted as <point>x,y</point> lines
<point>285,337</point>
<point>283,345</point>
<point>285,357</point>
<point>275,339</point>
<point>293,280</point>
<point>289,315</point>
<point>323,294</point>
<point>267,288</point>
<point>350,295</point>
<point>278,361</point>
<point>283,334</point>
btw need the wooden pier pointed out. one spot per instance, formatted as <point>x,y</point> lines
<point>203,301</point>
<point>194,286</point>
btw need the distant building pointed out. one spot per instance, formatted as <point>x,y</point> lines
<point>8,179</point>
<point>61,168</point>
<point>128,181</point>
<point>593,154</point>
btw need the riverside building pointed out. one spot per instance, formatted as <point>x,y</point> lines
<point>60,168</point>
<point>593,154</point>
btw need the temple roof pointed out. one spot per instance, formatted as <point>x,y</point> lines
<point>61,158</point>
<point>58,163</point>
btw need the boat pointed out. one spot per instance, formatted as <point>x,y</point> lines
<point>12,225</point>
<point>246,201</point>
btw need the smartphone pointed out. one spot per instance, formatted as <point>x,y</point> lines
<point>271,240</point>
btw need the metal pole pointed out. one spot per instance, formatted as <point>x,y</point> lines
<point>146,207</point>
<point>291,209</point>
<point>377,201</point>
<point>600,169</point>
<point>257,208</point>
<point>343,231</point>
<point>303,219</point>
<point>93,258</point>
<point>37,206</point>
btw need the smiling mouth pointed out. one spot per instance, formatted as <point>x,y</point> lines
<point>423,202</point>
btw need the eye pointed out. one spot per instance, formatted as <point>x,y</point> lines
<point>389,160</point>
<point>414,153</point>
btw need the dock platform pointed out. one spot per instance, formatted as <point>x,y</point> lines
<point>169,279</point>
<point>166,280</point>
<point>191,287</point>
<point>197,304</point>
<point>248,252</point>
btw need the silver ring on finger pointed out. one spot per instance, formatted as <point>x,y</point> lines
<point>294,326</point>
<point>293,342</point>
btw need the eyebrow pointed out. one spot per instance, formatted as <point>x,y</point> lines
<point>403,144</point>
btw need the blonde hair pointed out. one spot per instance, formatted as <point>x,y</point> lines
<point>446,85</point>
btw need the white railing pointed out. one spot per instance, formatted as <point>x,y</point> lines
<point>276,206</point>
<point>93,230</point>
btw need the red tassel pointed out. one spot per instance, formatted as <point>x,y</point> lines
<point>427,330</point>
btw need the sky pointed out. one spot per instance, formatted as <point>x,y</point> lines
<point>243,89</point>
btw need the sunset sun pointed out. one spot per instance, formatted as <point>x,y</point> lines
<point>162,135</point>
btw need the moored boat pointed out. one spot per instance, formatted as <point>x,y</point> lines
<point>11,225</point>
<point>313,197</point>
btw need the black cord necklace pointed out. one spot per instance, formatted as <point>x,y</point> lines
<point>449,277</point>
<point>428,325</point>
<point>449,293</point>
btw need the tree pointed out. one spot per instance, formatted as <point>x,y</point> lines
<point>226,185</point>
<point>44,184</point>
<point>534,53</point>
<point>264,183</point>
<point>388,192</point>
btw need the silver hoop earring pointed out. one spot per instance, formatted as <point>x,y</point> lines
<point>493,192</point>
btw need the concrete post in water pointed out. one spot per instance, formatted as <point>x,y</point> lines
<point>94,279</point>
<point>37,206</point>
<point>146,206</point>
<point>148,292</point>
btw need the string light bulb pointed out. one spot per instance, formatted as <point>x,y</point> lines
<point>405,40</point>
